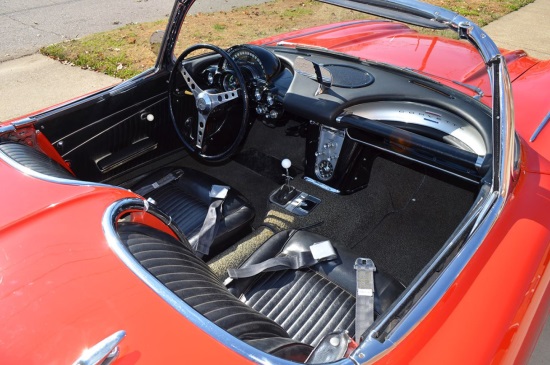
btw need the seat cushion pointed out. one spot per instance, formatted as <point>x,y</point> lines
<point>187,199</point>
<point>176,266</point>
<point>312,302</point>
<point>34,160</point>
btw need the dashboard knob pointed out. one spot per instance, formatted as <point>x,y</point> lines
<point>258,94</point>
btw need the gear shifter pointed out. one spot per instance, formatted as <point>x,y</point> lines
<point>286,165</point>
<point>286,192</point>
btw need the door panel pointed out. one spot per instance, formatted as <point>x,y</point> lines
<point>108,133</point>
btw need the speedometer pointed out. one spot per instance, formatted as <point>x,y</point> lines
<point>257,61</point>
<point>247,61</point>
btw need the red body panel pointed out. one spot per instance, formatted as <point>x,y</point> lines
<point>63,289</point>
<point>398,45</point>
<point>493,312</point>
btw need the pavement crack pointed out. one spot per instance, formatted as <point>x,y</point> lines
<point>35,27</point>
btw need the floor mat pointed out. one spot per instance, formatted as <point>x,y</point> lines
<point>265,165</point>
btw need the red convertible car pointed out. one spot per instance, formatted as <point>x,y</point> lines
<point>352,193</point>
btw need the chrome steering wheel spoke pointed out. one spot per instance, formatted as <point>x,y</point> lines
<point>191,84</point>
<point>206,103</point>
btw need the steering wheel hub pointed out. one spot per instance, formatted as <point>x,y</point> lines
<point>204,102</point>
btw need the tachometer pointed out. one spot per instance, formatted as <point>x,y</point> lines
<point>229,82</point>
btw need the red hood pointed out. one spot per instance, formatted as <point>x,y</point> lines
<point>387,42</point>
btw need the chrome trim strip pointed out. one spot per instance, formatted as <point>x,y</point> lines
<point>109,221</point>
<point>164,218</point>
<point>7,129</point>
<point>541,126</point>
<point>24,122</point>
<point>504,147</point>
<point>321,185</point>
<point>57,180</point>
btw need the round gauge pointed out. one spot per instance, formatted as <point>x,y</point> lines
<point>324,170</point>
<point>247,60</point>
<point>230,82</point>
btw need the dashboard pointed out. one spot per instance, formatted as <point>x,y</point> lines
<point>369,109</point>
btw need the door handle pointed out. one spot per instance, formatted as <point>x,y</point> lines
<point>103,352</point>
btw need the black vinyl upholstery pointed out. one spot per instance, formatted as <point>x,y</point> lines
<point>285,313</point>
<point>187,199</point>
<point>176,266</point>
<point>312,302</point>
<point>34,160</point>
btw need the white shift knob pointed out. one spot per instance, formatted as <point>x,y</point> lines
<point>286,163</point>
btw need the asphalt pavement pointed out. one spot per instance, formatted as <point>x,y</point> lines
<point>25,26</point>
<point>29,81</point>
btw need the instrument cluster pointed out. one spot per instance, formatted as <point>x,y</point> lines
<point>259,67</point>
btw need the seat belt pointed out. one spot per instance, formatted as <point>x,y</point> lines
<point>211,221</point>
<point>165,180</point>
<point>318,252</point>
<point>364,300</point>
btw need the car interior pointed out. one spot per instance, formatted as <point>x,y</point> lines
<point>261,152</point>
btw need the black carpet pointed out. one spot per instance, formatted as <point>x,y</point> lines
<point>400,220</point>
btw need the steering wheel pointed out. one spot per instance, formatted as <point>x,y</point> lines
<point>218,130</point>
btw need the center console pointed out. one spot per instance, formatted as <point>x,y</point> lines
<point>334,161</point>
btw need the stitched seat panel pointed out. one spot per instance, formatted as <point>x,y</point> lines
<point>34,160</point>
<point>304,303</point>
<point>187,212</point>
<point>176,266</point>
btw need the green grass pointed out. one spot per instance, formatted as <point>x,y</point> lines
<point>125,52</point>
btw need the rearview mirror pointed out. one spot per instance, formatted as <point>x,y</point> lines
<point>314,71</point>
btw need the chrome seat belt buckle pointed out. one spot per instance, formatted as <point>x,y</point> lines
<point>323,251</point>
<point>364,264</point>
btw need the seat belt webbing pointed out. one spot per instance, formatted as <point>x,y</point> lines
<point>165,180</point>
<point>321,251</point>
<point>364,302</point>
<point>209,227</point>
<point>211,222</point>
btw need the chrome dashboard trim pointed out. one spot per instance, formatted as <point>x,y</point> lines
<point>413,113</point>
<point>321,185</point>
<point>541,126</point>
<point>109,221</point>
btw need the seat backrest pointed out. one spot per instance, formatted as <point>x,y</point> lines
<point>35,160</point>
<point>176,266</point>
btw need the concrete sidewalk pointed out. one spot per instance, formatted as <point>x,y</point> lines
<point>527,29</point>
<point>34,82</point>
